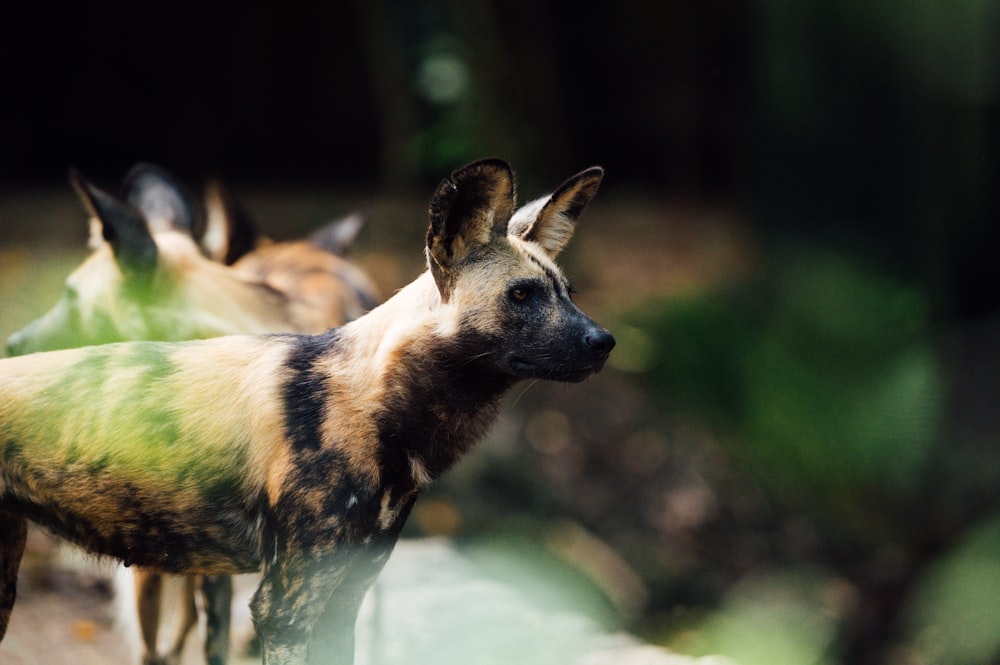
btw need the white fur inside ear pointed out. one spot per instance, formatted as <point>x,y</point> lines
<point>522,220</point>
<point>216,236</point>
<point>553,230</point>
<point>95,237</point>
<point>547,225</point>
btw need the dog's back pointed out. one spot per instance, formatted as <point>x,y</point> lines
<point>324,289</point>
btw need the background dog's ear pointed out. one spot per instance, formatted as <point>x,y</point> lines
<point>122,226</point>
<point>166,203</point>
<point>468,210</point>
<point>229,231</point>
<point>337,236</point>
<point>550,220</point>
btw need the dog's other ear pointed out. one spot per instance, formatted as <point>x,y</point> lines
<point>122,226</point>
<point>166,203</point>
<point>468,210</point>
<point>550,220</point>
<point>338,236</point>
<point>229,231</point>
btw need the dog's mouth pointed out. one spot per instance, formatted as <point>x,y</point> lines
<point>527,369</point>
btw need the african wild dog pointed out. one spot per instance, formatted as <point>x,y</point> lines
<point>146,279</point>
<point>299,454</point>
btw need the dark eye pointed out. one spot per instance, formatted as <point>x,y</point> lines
<point>520,293</point>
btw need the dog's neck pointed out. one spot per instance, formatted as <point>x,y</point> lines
<point>426,363</point>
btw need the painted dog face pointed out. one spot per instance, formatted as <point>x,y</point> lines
<point>499,275</point>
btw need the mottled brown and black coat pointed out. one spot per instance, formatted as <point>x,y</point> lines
<point>147,279</point>
<point>298,455</point>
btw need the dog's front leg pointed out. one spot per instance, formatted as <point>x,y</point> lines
<point>13,535</point>
<point>289,601</point>
<point>332,641</point>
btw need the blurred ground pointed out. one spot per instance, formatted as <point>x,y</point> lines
<point>543,455</point>
<point>66,613</point>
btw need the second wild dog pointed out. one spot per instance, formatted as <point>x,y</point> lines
<point>299,455</point>
<point>146,278</point>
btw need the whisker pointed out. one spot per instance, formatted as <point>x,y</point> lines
<point>523,391</point>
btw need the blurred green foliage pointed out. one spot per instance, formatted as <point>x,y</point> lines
<point>954,615</point>
<point>821,375</point>
<point>774,617</point>
<point>824,380</point>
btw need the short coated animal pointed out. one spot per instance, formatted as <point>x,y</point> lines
<point>147,279</point>
<point>298,455</point>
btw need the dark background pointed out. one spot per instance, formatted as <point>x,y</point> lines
<point>339,90</point>
<point>849,387</point>
<point>816,118</point>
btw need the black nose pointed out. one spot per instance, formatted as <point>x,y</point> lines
<point>600,341</point>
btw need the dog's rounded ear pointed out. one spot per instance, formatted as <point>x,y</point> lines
<point>468,210</point>
<point>122,226</point>
<point>551,220</point>
<point>162,198</point>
